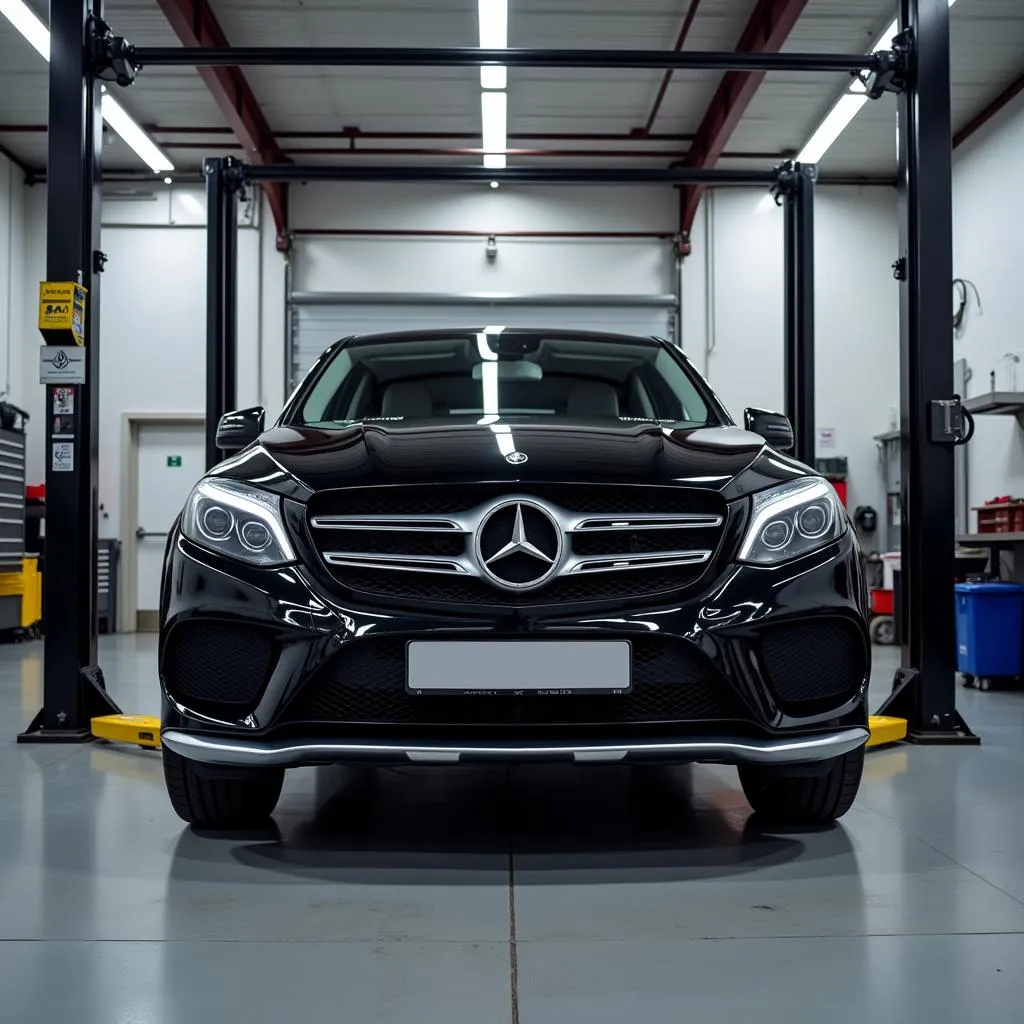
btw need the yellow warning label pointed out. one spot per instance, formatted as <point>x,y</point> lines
<point>62,308</point>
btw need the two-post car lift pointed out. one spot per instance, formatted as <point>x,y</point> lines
<point>85,53</point>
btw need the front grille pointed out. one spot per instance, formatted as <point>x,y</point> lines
<point>218,663</point>
<point>416,543</point>
<point>365,684</point>
<point>811,662</point>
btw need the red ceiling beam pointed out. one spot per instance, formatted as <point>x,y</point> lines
<point>768,28</point>
<point>195,25</point>
<point>691,13</point>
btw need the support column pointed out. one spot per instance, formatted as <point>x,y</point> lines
<point>797,188</point>
<point>925,688</point>
<point>72,684</point>
<point>221,298</point>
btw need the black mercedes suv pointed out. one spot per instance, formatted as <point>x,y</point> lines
<point>511,545</point>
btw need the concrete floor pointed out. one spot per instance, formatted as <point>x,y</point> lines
<point>544,897</point>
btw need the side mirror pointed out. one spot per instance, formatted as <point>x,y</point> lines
<point>772,426</point>
<point>238,430</point>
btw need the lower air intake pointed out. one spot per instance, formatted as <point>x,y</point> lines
<point>814,662</point>
<point>217,663</point>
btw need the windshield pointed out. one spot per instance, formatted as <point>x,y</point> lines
<point>497,374</point>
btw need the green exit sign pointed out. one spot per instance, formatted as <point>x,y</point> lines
<point>174,461</point>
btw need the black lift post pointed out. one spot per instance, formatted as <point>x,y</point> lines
<point>73,691</point>
<point>222,185</point>
<point>796,191</point>
<point>924,691</point>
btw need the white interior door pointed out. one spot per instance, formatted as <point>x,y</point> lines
<point>171,460</point>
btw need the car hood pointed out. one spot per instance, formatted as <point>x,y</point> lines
<point>296,461</point>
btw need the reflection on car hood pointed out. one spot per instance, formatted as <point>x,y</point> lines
<point>298,460</point>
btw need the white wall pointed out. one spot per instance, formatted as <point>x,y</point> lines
<point>446,265</point>
<point>988,249</point>
<point>153,326</point>
<point>153,292</point>
<point>733,302</point>
<point>14,295</point>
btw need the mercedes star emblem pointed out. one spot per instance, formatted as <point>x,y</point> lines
<point>519,545</point>
<point>516,458</point>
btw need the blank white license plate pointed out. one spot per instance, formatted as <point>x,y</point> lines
<point>548,667</point>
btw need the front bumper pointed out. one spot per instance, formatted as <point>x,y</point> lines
<point>224,750</point>
<point>311,630</point>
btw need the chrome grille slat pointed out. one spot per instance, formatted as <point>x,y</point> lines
<point>690,521</point>
<point>408,524</point>
<point>655,560</point>
<point>399,563</point>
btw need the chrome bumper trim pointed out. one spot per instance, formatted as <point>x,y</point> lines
<point>293,753</point>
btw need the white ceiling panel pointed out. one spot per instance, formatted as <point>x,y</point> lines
<point>987,54</point>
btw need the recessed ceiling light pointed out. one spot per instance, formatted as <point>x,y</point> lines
<point>168,180</point>
<point>494,184</point>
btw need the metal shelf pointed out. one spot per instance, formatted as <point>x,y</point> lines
<point>997,403</point>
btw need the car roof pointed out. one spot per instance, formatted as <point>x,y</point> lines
<point>435,334</point>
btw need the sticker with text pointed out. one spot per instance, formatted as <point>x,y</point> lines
<point>63,458</point>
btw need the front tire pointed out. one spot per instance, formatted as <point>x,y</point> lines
<point>802,798</point>
<point>221,798</point>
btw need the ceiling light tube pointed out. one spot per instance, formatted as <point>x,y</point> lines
<point>832,127</point>
<point>494,114</point>
<point>133,135</point>
<point>24,19</point>
<point>493,15</point>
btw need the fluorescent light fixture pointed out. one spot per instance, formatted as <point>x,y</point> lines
<point>847,108</point>
<point>23,18</point>
<point>493,16</point>
<point>495,161</point>
<point>494,112</point>
<point>122,122</point>
<point>832,127</point>
<point>494,76</point>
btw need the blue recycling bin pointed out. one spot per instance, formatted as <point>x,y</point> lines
<point>989,619</point>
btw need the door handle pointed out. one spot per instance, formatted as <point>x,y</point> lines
<point>143,534</point>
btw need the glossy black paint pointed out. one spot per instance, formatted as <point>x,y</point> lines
<point>724,620</point>
<point>310,615</point>
<point>238,430</point>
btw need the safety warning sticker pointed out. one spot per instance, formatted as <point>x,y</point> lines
<point>63,401</point>
<point>63,458</point>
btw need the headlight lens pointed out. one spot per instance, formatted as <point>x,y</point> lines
<point>792,520</point>
<point>237,520</point>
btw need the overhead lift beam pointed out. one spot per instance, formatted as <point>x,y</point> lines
<point>197,27</point>
<point>456,57</point>
<point>768,28</point>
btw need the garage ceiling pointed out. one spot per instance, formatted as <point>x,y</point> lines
<point>423,115</point>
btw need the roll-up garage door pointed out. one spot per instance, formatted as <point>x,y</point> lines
<point>318,319</point>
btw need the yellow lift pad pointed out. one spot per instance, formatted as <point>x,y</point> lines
<point>886,730</point>
<point>138,729</point>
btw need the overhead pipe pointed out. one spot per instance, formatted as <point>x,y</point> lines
<point>455,233</point>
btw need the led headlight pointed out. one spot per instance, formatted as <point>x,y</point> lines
<point>237,520</point>
<point>792,520</point>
